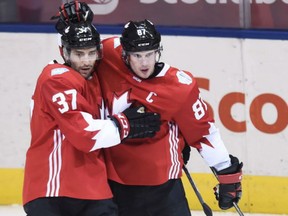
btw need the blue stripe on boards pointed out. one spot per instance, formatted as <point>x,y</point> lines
<point>164,30</point>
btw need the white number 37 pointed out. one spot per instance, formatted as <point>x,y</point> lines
<point>199,108</point>
<point>60,99</point>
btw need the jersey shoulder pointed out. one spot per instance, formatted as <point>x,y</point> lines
<point>178,78</point>
<point>112,52</point>
<point>111,43</point>
<point>54,68</point>
<point>60,73</point>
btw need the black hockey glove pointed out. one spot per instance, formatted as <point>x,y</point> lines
<point>72,12</point>
<point>186,153</point>
<point>229,188</point>
<point>136,123</point>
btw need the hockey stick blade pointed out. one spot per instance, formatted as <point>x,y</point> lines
<point>207,210</point>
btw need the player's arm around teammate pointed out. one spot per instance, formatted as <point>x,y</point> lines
<point>65,172</point>
<point>145,174</point>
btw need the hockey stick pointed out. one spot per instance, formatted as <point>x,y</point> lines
<point>207,210</point>
<point>238,209</point>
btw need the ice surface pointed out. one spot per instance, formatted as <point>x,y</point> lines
<point>17,210</point>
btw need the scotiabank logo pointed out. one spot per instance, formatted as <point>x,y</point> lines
<point>278,108</point>
<point>102,7</point>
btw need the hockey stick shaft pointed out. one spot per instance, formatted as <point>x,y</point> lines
<point>206,208</point>
<point>238,209</point>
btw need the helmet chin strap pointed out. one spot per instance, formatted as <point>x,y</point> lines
<point>159,54</point>
<point>66,56</point>
<point>68,63</point>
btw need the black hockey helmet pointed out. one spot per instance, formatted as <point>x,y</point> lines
<point>80,35</point>
<point>140,36</point>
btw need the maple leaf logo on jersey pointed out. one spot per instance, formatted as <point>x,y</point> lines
<point>103,110</point>
<point>92,123</point>
<point>120,103</point>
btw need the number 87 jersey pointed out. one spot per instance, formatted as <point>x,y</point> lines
<point>173,94</point>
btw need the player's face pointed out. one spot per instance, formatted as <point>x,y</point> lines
<point>83,60</point>
<point>142,63</point>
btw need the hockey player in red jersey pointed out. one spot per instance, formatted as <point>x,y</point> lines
<point>145,173</point>
<point>65,173</point>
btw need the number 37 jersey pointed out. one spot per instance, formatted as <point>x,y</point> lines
<point>65,156</point>
<point>172,93</point>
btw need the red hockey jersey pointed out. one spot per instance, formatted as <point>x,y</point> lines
<point>65,156</point>
<point>174,94</point>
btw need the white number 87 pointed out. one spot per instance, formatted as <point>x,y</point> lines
<point>199,108</point>
<point>141,32</point>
